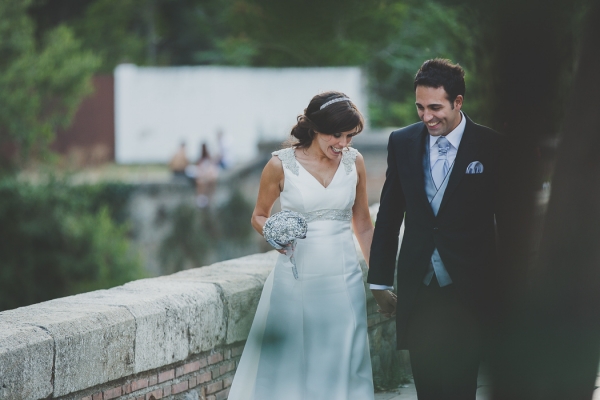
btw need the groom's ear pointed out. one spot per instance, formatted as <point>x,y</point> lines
<point>458,101</point>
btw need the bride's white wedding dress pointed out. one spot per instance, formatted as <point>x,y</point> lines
<point>309,339</point>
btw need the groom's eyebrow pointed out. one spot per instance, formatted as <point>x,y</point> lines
<point>430,105</point>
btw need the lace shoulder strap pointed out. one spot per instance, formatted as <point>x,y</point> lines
<point>348,159</point>
<point>288,159</point>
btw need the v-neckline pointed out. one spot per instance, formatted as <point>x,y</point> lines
<point>314,177</point>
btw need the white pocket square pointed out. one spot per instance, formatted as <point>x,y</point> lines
<point>475,168</point>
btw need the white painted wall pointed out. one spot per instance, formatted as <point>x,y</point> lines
<point>156,108</point>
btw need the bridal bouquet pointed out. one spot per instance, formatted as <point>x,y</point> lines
<point>282,229</point>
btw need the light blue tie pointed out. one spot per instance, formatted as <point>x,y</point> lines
<point>441,166</point>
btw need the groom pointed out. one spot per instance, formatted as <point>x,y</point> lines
<point>442,180</point>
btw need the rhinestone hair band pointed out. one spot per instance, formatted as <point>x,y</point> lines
<point>330,102</point>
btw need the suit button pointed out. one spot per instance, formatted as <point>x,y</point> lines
<point>436,229</point>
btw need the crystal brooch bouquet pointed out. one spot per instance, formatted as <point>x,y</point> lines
<point>282,229</point>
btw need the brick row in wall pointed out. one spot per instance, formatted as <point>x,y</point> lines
<point>210,375</point>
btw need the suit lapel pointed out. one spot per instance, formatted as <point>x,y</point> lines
<point>467,151</point>
<point>417,147</point>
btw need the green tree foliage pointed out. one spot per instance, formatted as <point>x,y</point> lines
<point>119,31</point>
<point>389,38</point>
<point>56,241</point>
<point>313,32</point>
<point>426,30</point>
<point>41,83</point>
<point>196,32</point>
<point>143,32</point>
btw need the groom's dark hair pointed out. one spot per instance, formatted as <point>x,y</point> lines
<point>441,72</point>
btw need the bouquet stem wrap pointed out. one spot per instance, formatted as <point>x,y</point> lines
<point>293,260</point>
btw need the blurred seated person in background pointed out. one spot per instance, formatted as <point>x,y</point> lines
<point>179,162</point>
<point>207,173</point>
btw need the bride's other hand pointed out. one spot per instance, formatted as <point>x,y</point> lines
<point>285,250</point>
<point>386,300</point>
<point>361,216</point>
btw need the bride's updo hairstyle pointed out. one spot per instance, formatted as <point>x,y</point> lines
<point>327,113</point>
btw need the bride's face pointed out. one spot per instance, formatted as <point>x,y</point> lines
<point>333,145</point>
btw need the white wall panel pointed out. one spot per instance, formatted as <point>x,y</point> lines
<point>156,108</point>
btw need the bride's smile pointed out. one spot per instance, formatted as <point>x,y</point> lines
<point>332,146</point>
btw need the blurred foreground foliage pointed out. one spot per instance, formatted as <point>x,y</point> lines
<point>42,80</point>
<point>59,239</point>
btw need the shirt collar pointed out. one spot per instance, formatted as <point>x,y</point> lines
<point>455,136</point>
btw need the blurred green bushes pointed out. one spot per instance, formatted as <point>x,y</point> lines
<point>58,239</point>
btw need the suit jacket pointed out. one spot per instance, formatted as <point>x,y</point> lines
<point>463,231</point>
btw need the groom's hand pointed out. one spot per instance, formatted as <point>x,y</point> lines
<point>386,301</point>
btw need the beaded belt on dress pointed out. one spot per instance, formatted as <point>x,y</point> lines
<point>328,215</point>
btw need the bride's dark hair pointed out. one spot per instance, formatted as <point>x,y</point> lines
<point>336,117</point>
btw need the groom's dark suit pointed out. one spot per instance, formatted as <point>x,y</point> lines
<point>463,231</point>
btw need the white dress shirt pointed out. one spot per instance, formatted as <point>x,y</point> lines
<point>454,137</point>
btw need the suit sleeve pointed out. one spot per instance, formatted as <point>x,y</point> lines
<point>382,262</point>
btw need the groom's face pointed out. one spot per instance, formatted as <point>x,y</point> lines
<point>436,111</point>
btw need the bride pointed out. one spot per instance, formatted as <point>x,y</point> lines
<point>309,335</point>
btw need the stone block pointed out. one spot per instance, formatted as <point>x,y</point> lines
<point>240,282</point>
<point>169,315</point>
<point>183,318</point>
<point>26,359</point>
<point>93,343</point>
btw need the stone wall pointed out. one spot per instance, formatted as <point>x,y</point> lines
<point>178,336</point>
